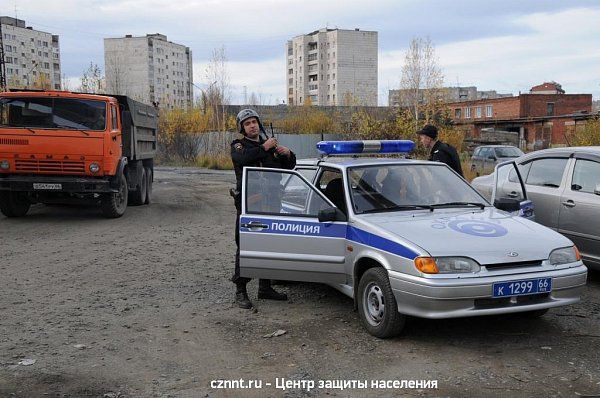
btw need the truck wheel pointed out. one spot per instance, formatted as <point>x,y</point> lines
<point>14,204</point>
<point>114,204</point>
<point>148,186</point>
<point>138,197</point>
<point>377,305</point>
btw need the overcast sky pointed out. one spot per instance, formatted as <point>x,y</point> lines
<point>507,45</point>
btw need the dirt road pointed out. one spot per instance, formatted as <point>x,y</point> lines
<point>141,306</point>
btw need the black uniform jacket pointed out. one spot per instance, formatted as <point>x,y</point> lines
<point>442,152</point>
<point>248,153</point>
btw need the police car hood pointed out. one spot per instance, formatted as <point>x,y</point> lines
<point>487,236</point>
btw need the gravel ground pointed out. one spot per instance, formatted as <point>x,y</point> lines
<point>141,306</point>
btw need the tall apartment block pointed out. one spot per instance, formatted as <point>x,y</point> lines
<point>149,69</point>
<point>332,67</point>
<point>32,57</point>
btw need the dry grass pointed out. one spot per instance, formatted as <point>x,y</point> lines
<point>215,162</point>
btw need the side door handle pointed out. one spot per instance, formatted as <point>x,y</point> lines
<point>568,203</point>
<point>513,194</point>
<point>255,225</point>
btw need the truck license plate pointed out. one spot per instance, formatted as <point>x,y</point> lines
<point>47,186</point>
<point>521,288</point>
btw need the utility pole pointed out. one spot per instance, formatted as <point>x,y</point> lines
<point>2,62</point>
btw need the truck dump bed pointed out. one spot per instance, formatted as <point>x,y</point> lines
<point>139,127</point>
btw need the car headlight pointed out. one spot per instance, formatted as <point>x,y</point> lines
<point>4,165</point>
<point>564,256</point>
<point>94,167</point>
<point>446,265</point>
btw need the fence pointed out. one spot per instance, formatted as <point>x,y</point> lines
<point>303,145</point>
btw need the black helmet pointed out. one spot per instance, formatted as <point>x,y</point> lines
<point>246,114</point>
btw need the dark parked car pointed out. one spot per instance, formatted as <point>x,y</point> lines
<point>564,185</point>
<point>486,157</point>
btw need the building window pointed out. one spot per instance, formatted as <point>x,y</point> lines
<point>290,71</point>
<point>467,113</point>
<point>550,109</point>
<point>311,57</point>
<point>457,113</point>
<point>488,111</point>
<point>478,112</point>
<point>291,81</point>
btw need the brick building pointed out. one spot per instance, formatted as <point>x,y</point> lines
<point>541,120</point>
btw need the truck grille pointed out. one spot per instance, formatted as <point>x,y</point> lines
<point>13,141</point>
<point>50,166</point>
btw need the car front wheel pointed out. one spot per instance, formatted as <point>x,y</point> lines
<point>377,305</point>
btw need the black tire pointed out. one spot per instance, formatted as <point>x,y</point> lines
<point>114,204</point>
<point>138,197</point>
<point>377,305</point>
<point>149,178</point>
<point>14,204</point>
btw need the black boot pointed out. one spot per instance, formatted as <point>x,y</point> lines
<point>241,297</point>
<point>265,291</point>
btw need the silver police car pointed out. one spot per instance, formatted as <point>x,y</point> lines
<point>402,238</point>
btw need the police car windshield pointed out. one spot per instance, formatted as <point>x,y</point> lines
<point>387,188</point>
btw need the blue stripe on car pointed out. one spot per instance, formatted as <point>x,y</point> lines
<point>329,230</point>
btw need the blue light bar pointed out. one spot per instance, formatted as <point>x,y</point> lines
<point>368,146</point>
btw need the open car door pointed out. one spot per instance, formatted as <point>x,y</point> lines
<point>509,193</point>
<point>281,235</point>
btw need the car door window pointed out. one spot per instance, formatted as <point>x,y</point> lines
<point>331,184</point>
<point>523,169</point>
<point>265,194</point>
<point>586,176</point>
<point>307,173</point>
<point>546,172</point>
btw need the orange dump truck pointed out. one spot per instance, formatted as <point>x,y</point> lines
<point>63,147</point>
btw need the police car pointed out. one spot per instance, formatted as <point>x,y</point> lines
<point>402,238</point>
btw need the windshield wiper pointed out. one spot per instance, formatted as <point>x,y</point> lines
<point>458,204</point>
<point>62,126</point>
<point>399,207</point>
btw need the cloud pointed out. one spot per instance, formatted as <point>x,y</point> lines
<point>566,52</point>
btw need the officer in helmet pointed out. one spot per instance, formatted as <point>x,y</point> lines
<point>255,149</point>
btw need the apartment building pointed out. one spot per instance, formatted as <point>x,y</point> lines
<point>404,97</point>
<point>150,69</point>
<point>332,67</point>
<point>32,57</point>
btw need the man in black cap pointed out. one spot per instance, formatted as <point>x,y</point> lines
<point>255,151</point>
<point>439,151</point>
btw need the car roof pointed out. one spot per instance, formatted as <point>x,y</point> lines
<point>358,161</point>
<point>562,151</point>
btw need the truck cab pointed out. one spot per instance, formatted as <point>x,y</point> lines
<point>63,147</point>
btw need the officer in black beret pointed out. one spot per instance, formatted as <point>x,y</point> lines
<point>253,150</point>
<point>439,151</point>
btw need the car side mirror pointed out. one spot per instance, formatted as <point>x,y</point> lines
<point>491,157</point>
<point>331,214</point>
<point>507,204</point>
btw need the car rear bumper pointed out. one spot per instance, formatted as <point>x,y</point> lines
<point>453,298</point>
<point>67,184</point>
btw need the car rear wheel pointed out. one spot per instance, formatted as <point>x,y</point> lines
<point>377,305</point>
<point>138,197</point>
<point>149,178</point>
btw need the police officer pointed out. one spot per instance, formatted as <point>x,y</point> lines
<point>254,151</point>
<point>439,151</point>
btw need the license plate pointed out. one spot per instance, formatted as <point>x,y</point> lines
<point>47,186</point>
<point>521,288</point>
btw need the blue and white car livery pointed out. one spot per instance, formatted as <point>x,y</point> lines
<point>401,237</point>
